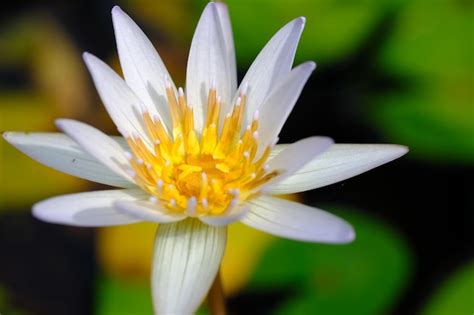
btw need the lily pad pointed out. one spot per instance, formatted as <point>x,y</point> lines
<point>455,296</point>
<point>329,279</point>
<point>118,297</point>
<point>430,52</point>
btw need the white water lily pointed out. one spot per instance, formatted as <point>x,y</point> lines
<point>195,160</point>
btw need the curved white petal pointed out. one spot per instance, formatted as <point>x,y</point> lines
<point>294,156</point>
<point>296,221</point>
<point>220,220</point>
<point>147,211</point>
<point>208,65</point>
<point>87,209</point>
<point>339,162</point>
<point>97,144</point>
<point>142,67</point>
<point>223,14</point>
<point>280,102</point>
<point>121,103</point>
<point>60,152</point>
<point>186,259</point>
<point>272,63</point>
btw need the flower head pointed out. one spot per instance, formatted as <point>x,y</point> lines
<point>198,158</point>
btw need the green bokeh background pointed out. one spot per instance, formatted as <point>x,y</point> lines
<point>388,71</point>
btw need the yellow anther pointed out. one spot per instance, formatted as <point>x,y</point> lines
<point>210,175</point>
<point>209,139</point>
<point>204,187</point>
<point>187,170</point>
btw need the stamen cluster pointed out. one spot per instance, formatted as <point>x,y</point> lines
<point>201,174</point>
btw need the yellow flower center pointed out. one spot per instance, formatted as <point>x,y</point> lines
<point>206,174</point>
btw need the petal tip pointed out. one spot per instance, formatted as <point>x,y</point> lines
<point>86,55</point>
<point>116,10</point>
<point>61,122</point>
<point>327,141</point>
<point>397,150</point>
<point>403,149</point>
<point>64,124</point>
<point>220,5</point>
<point>88,58</point>
<point>302,20</point>
<point>40,213</point>
<point>348,234</point>
<point>6,135</point>
<point>210,6</point>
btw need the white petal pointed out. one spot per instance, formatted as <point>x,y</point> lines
<point>296,221</point>
<point>339,162</point>
<point>295,156</point>
<point>60,152</point>
<point>273,63</point>
<point>142,67</point>
<point>186,259</point>
<point>219,220</point>
<point>278,105</point>
<point>121,103</point>
<point>97,144</point>
<point>147,211</point>
<point>223,14</point>
<point>208,65</point>
<point>87,209</point>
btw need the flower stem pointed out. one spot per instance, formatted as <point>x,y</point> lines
<point>216,297</point>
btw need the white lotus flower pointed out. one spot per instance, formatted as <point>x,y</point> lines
<point>199,159</point>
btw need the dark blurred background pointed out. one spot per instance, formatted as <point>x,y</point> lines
<point>388,72</point>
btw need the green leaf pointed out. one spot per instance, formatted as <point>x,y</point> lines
<point>331,279</point>
<point>431,52</point>
<point>121,297</point>
<point>455,296</point>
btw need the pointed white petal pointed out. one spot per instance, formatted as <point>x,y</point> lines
<point>273,63</point>
<point>219,220</point>
<point>295,156</point>
<point>121,103</point>
<point>278,105</point>
<point>339,162</point>
<point>223,14</point>
<point>186,259</point>
<point>97,144</point>
<point>87,209</point>
<point>142,67</point>
<point>60,152</point>
<point>296,221</point>
<point>147,211</point>
<point>208,66</point>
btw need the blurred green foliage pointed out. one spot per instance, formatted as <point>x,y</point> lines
<point>431,52</point>
<point>455,296</point>
<point>328,279</point>
<point>119,297</point>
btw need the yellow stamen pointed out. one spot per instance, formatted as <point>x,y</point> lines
<point>196,175</point>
